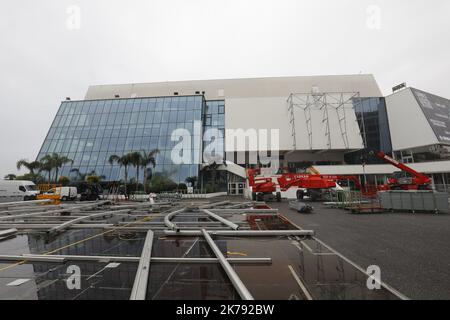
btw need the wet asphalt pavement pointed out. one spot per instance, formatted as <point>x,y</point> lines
<point>412,250</point>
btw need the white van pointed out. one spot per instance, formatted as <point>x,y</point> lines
<point>17,190</point>
<point>66,193</point>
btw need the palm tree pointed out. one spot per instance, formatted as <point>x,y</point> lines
<point>136,161</point>
<point>146,160</point>
<point>31,166</point>
<point>54,161</point>
<point>94,174</point>
<point>46,166</point>
<point>84,176</point>
<point>93,179</point>
<point>10,177</point>
<point>64,181</point>
<point>122,161</point>
<point>60,162</point>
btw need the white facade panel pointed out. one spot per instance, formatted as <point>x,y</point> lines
<point>257,114</point>
<point>241,88</point>
<point>408,124</point>
<point>356,169</point>
<point>272,113</point>
<point>307,156</point>
<point>261,103</point>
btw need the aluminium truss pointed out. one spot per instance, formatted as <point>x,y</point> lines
<point>327,102</point>
<point>171,250</point>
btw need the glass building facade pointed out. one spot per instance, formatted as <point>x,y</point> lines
<point>89,132</point>
<point>374,125</point>
<point>214,117</point>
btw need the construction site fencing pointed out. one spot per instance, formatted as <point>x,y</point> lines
<point>354,201</point>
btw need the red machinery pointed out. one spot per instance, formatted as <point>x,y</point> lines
<point>366,190</point>
<point>418,181</point>
<point>263,188</point>
<point>305,181</point>
<point>308,184</point>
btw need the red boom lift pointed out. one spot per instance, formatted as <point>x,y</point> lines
<point>417,181</point>
<point>263,188</point>
<point>311,184</point>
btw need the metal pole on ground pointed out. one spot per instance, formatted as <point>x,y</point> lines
<point>169,224</point>
<point>230,224</point>
<point>232,275</point>
<point>67,224</point>
<point>12,217</point>
<point>243,233</point>
<point>139,290</point>
<point>106,259</point>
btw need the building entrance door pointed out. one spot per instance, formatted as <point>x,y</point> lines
<point>236,188</point>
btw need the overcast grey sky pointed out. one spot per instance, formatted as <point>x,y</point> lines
<point>46,57</point>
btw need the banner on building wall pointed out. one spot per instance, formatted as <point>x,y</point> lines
<point>437,111</point>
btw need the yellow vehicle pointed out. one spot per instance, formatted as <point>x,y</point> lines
<point>50,192</point>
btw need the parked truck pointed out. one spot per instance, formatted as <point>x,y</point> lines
<point>64,193</point>
<point>17,190</point>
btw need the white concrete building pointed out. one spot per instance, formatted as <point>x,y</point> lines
<point>329,122</point>
<point>262,104</point>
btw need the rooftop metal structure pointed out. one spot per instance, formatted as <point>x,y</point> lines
<point>326,102</point>
<point>181,250</point>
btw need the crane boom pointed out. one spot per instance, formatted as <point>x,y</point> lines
<point>402,166</point>
<point>421,178</point>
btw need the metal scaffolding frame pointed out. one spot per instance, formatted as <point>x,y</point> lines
<point>335,101</point>
<point>55,220</point>
<point>177,222</point>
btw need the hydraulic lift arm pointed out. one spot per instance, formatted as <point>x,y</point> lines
<point>420,177</point>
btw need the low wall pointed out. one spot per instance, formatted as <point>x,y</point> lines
<point>204,195</point>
